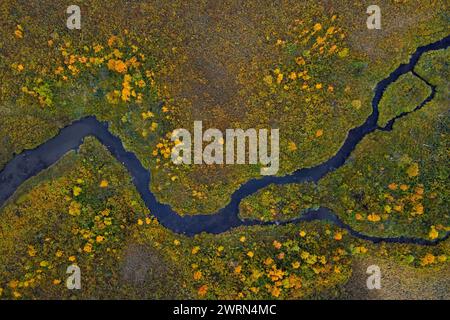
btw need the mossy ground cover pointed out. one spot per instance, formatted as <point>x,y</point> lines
<point>205,61</point>
<point>407,93</point>
<point>278,203</point>
<point>399,178</point>
<point>307,68</point>
<point>82,211</point>
<point>395,182</point>
<point>85,211</point>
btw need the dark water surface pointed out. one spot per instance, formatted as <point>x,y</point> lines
<point>31,162</point>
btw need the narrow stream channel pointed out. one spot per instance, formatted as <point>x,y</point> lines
<point>31,162</point>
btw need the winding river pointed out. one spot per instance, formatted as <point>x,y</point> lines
<point>31,162</point>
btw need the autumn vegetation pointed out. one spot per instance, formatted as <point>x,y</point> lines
<point>394,183</point>
<point>81,212</point>
<point>305,67</point>
<point>403,96</point>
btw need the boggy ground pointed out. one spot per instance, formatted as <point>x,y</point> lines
<point>306,67</point>
<point>398,282</point>
<point>394,183</point>
<point>85,211</point>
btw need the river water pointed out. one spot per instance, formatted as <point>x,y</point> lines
<point>31,162</point>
